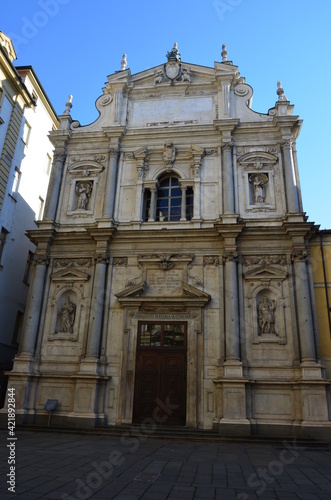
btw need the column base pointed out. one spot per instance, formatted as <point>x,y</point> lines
<point>236,427</point>
<point>23,363</point>
<point>89,366</point>
<point>311,370</point>
<point>233,369</point>
<point>229,218</point>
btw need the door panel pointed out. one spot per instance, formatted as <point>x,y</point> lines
<point>160,383</point>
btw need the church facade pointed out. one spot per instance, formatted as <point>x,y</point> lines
<point>172,280</point>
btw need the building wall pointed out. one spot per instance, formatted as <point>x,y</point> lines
<point>25,169</point>
<point>12,114</point>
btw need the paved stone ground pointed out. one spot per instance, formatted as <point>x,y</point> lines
<point>80,466</point>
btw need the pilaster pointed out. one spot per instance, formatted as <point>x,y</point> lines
<point>115,135</point>
<point>35,301</point>
<point>90,363</point>
<point>303,306</point>
<point>109,200</point>
<point>196,162</point>
<point>291,188</point>
<point>55,183</point>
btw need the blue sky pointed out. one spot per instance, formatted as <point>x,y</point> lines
<point>74,44</point>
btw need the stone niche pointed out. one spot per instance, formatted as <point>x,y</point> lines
<point>265,292</point>
<point>82,186</point>
<point>65,311</point>
<point>258,175</point>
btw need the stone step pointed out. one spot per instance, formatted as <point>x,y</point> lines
<point>177,434</point>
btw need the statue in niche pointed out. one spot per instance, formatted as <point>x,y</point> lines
<point>83,190</point>
<point>259,181</point>
<point>258,191</point>
<point>266,310</point>
<point>67,315</point>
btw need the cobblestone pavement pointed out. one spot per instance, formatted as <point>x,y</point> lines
<point>82,466</point>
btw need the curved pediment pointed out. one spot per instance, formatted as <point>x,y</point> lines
<point>257,158</point>
<point>86,167</point>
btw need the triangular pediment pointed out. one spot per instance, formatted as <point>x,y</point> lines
<point>131,291</point>
<point>7,44</point>
<point>266,272</point>
<point>192,291</point>
<point>70,274</point>
<point>189,73</point>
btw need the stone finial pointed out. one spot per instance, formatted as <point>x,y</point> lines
<point>124,62</point>
<point>224,53</point>
<point>68,105</point>
<point>174,55</point>
<point>280,92</point>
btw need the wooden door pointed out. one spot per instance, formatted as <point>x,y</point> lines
<point>160,383</point>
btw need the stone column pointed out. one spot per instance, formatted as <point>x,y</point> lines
<point>290,181</point>
<point>109,200</point>
<point>97,307</point>
<point>232,336</point>
<point>139,199</point>
<point>152,209</point>
<point>304,310</point>
<point>141,156</point>
<point>53,192</point>
<point>228,186</point>
<point>196,199</point>
<point>197,154</point>
<point>33,311</point>
<point>183,208</point>
<point>226,99</point>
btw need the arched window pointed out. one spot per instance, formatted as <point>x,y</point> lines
<point>173,201</point>
<point>168,201</point>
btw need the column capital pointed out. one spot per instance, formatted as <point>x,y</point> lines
<point>113,152</point>
<point>287,144</point>
<point>41,259</point>
<point>101,258</point>
<point>227,146</point>
<point>230,256</point>
<point>299,256</point>
<point>60,155</point>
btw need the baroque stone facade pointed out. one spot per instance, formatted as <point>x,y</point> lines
<point>173,273</point>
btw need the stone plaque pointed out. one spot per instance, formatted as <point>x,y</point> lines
<point>165,282</point>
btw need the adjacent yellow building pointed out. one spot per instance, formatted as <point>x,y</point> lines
<point>321,268</point>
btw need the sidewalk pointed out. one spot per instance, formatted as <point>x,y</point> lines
<point>82,466</point>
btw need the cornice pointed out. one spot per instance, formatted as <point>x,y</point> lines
<point>28,70</point>
<point>227,124</point>
<point>14,78</point>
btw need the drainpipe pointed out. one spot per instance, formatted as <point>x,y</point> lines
<point>325,281</point>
